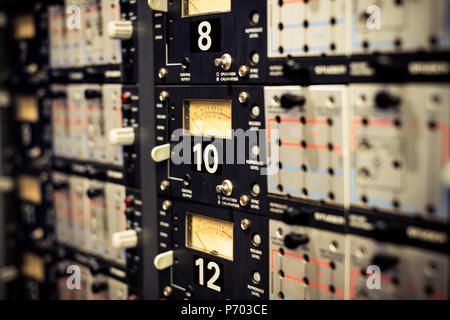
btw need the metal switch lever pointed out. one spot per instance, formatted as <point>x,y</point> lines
<point>163,260</point>
<point>161,153</point>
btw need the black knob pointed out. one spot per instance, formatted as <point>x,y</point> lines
<point>296,71</point>
<point>384,261</point>
<point>99,286</point>
<point>298,216</point>
<point>293,240</point>
<point>92,94</point>
<point>384,100</point>
<point>94,192</point>
<point>289,101</point>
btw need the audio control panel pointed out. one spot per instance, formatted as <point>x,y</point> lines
<point>226,149</point>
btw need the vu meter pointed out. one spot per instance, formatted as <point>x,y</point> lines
<point>199,7</point>
<point>209,235</point>
<point>207,118</point>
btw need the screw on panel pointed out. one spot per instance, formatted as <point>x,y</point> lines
<point>243,71</point>
<point>245,224</point>
<point>163,96</point>
<point>162,73</point>
<point>243,97</point>
<point>244,200</point>
<point>167,204</point>
<point>164,185</point>
<point>167,291</point>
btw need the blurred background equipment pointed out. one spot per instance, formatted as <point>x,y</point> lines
<point>339,112</point>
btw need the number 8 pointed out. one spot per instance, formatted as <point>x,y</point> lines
<point>204,34</point>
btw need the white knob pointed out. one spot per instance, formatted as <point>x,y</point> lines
<point>124,239</point>
<point>445,175</point>
<point>121,136</point>
<point>5,99</point>
<point>158,5</point>
<point>120,30</point>
<point>161,153</point>
<point>163,260</point>
<point>6,184</point>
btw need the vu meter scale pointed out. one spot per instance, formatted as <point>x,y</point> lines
<point>210,118</point>
<point>209,235</point>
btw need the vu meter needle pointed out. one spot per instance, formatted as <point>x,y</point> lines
<point>227,234</point>
<point>200,240</point>
<point>226,116</point>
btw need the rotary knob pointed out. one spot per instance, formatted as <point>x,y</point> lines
<point>121,136</point>
<point>288,101</point>
<point>124,239</point>
<point>120,30</point>
<point>294,240</point>
<point>384,101</point>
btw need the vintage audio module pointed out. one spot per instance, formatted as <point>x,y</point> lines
<point>225,149</point>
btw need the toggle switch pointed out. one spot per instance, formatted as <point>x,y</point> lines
<point>121,136</point>
<point>124,239</point>
<point>161,153</point>
<point>224,61</point>
<point>120,30</point>
<point>163,260</point>
<point>225,188</point>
